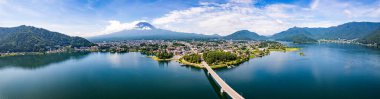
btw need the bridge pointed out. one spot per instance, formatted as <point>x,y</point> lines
<point>224,86</point>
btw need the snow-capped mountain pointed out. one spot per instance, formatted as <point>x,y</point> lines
<point>144,26</point>
<point>146,31</point>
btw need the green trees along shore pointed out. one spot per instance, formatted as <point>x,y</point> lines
<point>164,55</point>
<point>192,58</point>
<point>32,39</point>
<point>217,57</point>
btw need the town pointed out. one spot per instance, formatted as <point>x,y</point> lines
<point>222,53</point>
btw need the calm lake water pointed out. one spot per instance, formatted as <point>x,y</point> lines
<point>327,71</point>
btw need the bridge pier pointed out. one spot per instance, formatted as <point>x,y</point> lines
<point>224,87</point>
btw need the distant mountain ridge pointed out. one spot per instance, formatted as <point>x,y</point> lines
<point>31,39</point>
<point>351,30</point>
<point>244,35</point>
<point>27,38</point>
<point>144,30</point>
<point>295,34</point>
<point>372,38</point>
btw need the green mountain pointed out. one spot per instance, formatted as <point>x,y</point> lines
<point>296,35</point>
<point>372,38</point>
<point>351,30</point>
<point>292,32</point>
<point>301,38</point>
<point>146,31</point>
<point>244,35</point>
<point>31,39</point>
<point>38,61</point>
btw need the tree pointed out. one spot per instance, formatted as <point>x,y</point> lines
<point>216,57</point>
<point>192,58</point>
<point>164,55</point>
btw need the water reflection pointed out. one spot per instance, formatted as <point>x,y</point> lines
<point>191,68</point>
<point>163,64</point>
<point>95,77</point>
<point>327,71</point>
<point>38,61</point>
<point>115,59</point>
<point>215,86</point>
<point>118,60</point>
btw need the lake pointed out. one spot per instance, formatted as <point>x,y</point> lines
<point>327,71</point>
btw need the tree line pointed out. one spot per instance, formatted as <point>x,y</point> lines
<point>164,55</point>
<point>192,58</point>
<point>31,39</point>
<point>216,57</point>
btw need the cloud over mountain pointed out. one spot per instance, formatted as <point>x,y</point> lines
<point>266,17</point>
<point>224,18</point>
<point>116,26</point>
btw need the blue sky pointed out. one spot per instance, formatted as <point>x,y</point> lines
<point>96,17</point>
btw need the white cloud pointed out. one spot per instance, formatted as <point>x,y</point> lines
<point>208,18</point>
<point>3,1</point>
<point>223,19</point>
<point>53,15</point>
<point>175,16</point>
<point>242,1</point>
<point>348,13</point>
<point>116,26</point>
<point>314,4</point>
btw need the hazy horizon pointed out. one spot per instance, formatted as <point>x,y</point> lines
<point>222,17</point>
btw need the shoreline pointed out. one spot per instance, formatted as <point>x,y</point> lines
<point>25,53</point>
<point>36,53</point>
<point>288,49</point>
<point>181,61</point>
<point>354,43</point>
<point>184,62</point>
<point>235,62</point>
<point>158,59</point>
<point>219,66</point>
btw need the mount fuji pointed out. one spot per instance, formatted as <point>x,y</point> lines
<point>146,31</point>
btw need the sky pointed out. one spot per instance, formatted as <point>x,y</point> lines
<point>88,18</point>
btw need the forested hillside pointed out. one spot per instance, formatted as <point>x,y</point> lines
<point>31,39</point>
